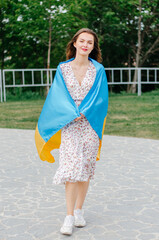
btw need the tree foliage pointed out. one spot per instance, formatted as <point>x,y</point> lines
<point>25,26</point>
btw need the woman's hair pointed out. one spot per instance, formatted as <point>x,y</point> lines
<point>95,53</point>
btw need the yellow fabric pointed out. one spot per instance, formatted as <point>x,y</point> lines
<point>44,148</point>
<point>100,141</point>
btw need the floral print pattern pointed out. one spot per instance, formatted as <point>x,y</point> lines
<point>79,142</point>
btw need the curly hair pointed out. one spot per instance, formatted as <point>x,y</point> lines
<point>95,53</point>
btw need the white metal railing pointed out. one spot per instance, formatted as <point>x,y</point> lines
<point>45,74</point>
<point>126,75</point>
<point>116,76</point>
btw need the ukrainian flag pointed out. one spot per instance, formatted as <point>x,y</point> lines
<point>60,109</point>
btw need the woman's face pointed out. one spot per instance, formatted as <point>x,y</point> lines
<point>84,44</point>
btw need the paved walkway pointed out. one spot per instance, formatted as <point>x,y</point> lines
<point>122,202</point>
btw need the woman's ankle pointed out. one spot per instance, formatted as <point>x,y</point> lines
<point>70,213</point>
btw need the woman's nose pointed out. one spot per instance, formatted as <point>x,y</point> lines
<point>85,44</point>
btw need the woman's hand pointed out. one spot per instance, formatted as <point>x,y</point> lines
<point>78,118</point>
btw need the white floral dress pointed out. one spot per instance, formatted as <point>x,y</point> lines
<point>79,142</point>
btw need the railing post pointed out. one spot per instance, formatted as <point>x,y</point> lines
<point>4,88</point>
<point>1,84</point>
<point>139,81</point>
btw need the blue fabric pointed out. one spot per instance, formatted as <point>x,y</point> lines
<point>60,109</point>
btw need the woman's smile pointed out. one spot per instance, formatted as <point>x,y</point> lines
<point>84,49</point>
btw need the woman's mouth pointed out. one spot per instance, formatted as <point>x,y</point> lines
<point>84,49</point>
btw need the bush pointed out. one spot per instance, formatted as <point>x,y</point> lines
<point>23,94</point>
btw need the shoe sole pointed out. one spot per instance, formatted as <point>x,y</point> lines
<point>66,233</point>
<point>79,225</point>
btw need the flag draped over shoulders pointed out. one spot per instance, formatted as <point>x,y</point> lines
<point>60,109</point>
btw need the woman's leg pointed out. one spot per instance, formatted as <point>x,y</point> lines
<point>82,191</point>
<point>75,194</point>
<point>71,196</point>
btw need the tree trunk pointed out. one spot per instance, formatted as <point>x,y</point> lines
<point>133,86</point>
<point>129,65</point>
<point>48,58</point>
<point>2,41</point>
<point>109,75</point>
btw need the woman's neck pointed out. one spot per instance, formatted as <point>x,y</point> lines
<point>81,60</point>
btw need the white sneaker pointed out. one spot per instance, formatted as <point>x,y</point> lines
<point>67,227</point>
<point>79,220</point>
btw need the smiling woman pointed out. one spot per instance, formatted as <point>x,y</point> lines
<point>73,119</point>
<point>95,53</point>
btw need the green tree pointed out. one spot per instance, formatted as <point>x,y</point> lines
<point>147,40</point>
<point>34,34</point>
<point>128,31</point>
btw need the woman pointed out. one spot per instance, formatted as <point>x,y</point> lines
<point>81,94</point>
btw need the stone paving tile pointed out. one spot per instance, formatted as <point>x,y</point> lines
<point>122,201</point>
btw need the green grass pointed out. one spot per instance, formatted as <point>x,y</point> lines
<point>134,116</point>
<point>128,115</point>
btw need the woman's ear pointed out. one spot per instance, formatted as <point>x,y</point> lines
<point>74,44</point>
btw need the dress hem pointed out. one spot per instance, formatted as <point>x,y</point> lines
<point>63,181</point>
